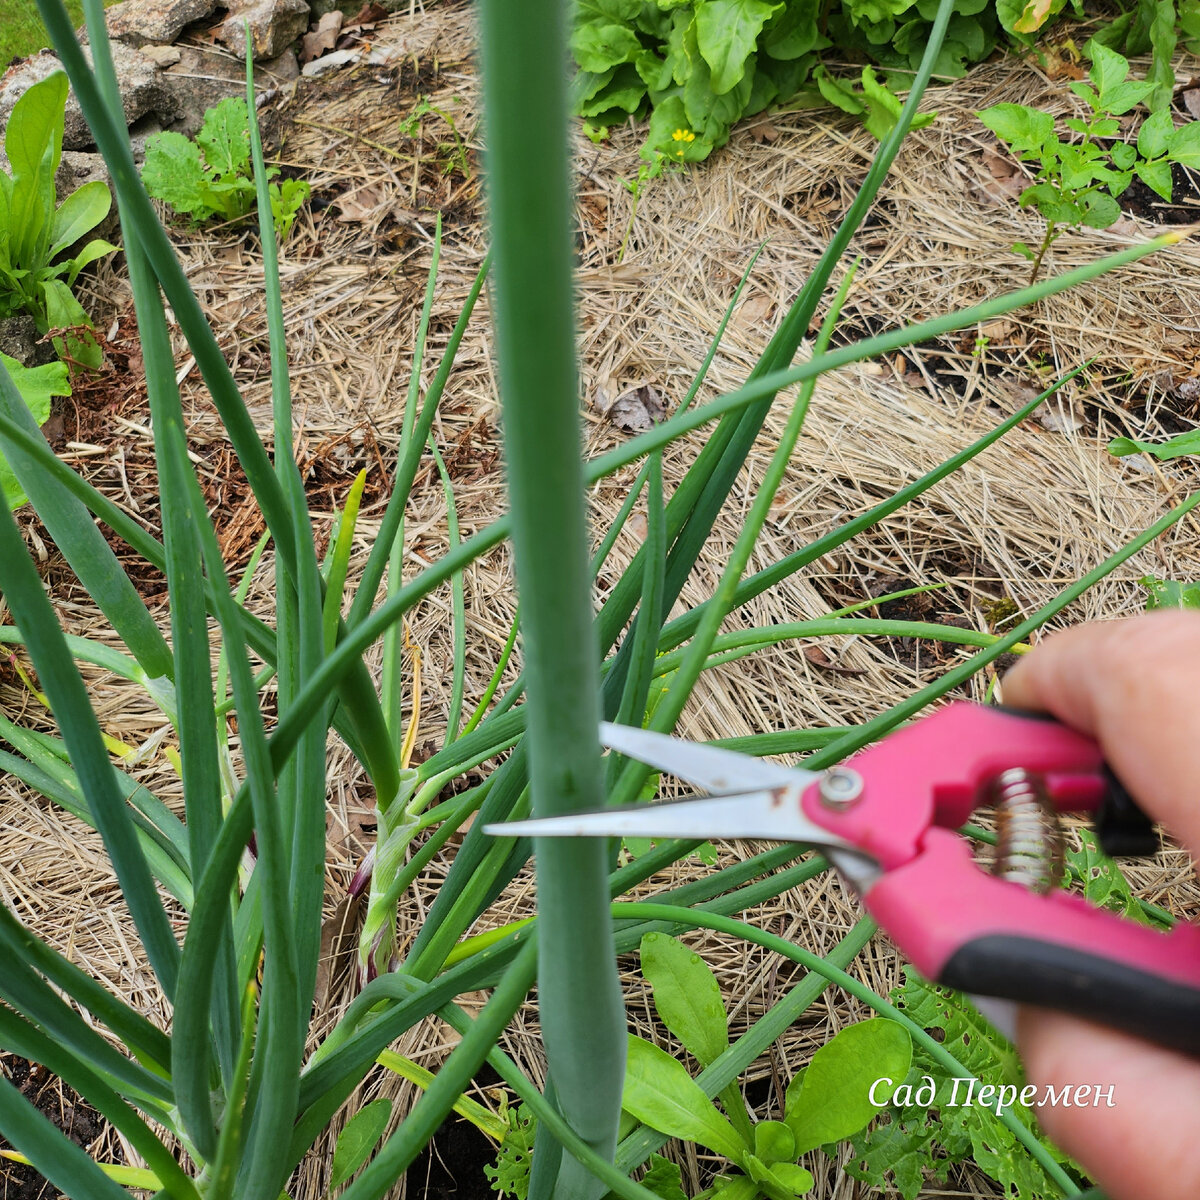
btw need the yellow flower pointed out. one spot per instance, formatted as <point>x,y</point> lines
<point>683,135</point>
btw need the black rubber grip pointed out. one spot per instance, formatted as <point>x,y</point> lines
<point>1122,828</point>
<point>1085,985</point>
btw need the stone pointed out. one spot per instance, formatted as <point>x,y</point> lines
<point>348,8</point>
<point>204,77</point>
<point>162,56</point>
<point>274,26</point>
<point>143,91</point>
<point>157,22</point>
<point>19,340</point>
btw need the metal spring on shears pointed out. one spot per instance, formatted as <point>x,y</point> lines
<point>1029,838</point>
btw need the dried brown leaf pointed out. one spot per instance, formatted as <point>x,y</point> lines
<point>1002,179</point>
<point>339,944</point>
<point>819,658</point>
<point>322,39</point>
<point>634,410</point>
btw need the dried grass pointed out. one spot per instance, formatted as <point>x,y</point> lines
<point>1012,529</point>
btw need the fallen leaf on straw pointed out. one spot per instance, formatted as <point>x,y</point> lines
<point>634,410</point>
<point>323,38</point>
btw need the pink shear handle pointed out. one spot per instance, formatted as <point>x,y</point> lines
<point>972,931</point>
<point>936,770</point>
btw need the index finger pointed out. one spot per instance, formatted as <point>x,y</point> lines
<point>1134,686</point>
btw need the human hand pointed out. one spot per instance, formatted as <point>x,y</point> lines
<point>1134,686</point>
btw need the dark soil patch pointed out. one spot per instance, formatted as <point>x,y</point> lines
<point>1182,209</point>
<point>63,1108</point>
<point>451,1166</point>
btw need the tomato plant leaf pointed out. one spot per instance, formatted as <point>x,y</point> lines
<point>664,1178</point>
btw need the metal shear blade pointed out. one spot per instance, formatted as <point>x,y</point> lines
<point>716,771</point>
<point>748,798</point>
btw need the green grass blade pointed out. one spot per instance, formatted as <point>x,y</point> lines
<point>167,862</point>
<point>391,685</point>
<point>406,472</point>
<point>281,1039</point>
<point>680,629</point>
<point>22,1038</point>
<point>28,994</point>
<point>878,726</point>
<point>502,663</point>
<point>730,646</point>
<point>618,523</point>
<point>632,709</point>
<point>766,385</point>
<point>195,705</point>
<point>224,1167</point>
<point>398,1152</point>
<point>339,561</point>
<point>699,498</point>
<point>113,142</point>
<point>147,1041</point>
<point>671,705</point>
<point>549,1118</point>
<point>457,602</point>
<point>307,786</point>
<point>83,545</point>
<point>69,700</point>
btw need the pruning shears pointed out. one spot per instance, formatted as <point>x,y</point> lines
<point>887,820</point>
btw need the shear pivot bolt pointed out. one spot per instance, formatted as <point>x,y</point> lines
<point>840,787</point>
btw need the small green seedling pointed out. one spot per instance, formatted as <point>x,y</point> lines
<point>1176,447</point>
<point>453,157</point>
<point>213,176</point>
<point>1078,181</point>
<point>827,1102</point>
<point>35,230</point>
<point>650,168</point>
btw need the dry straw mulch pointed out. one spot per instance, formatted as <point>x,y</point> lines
<point>1003,536</point>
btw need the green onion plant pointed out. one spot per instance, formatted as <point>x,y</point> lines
<point>225,1099</point>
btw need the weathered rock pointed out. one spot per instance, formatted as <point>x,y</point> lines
<point>19,340</point>
<point>162,56</point>
<point>140,81</point>
<point>346,7</point>
<point>159,22</point>
<point>274,26</point>
<point>77,168</point>
<point>203,78</point>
